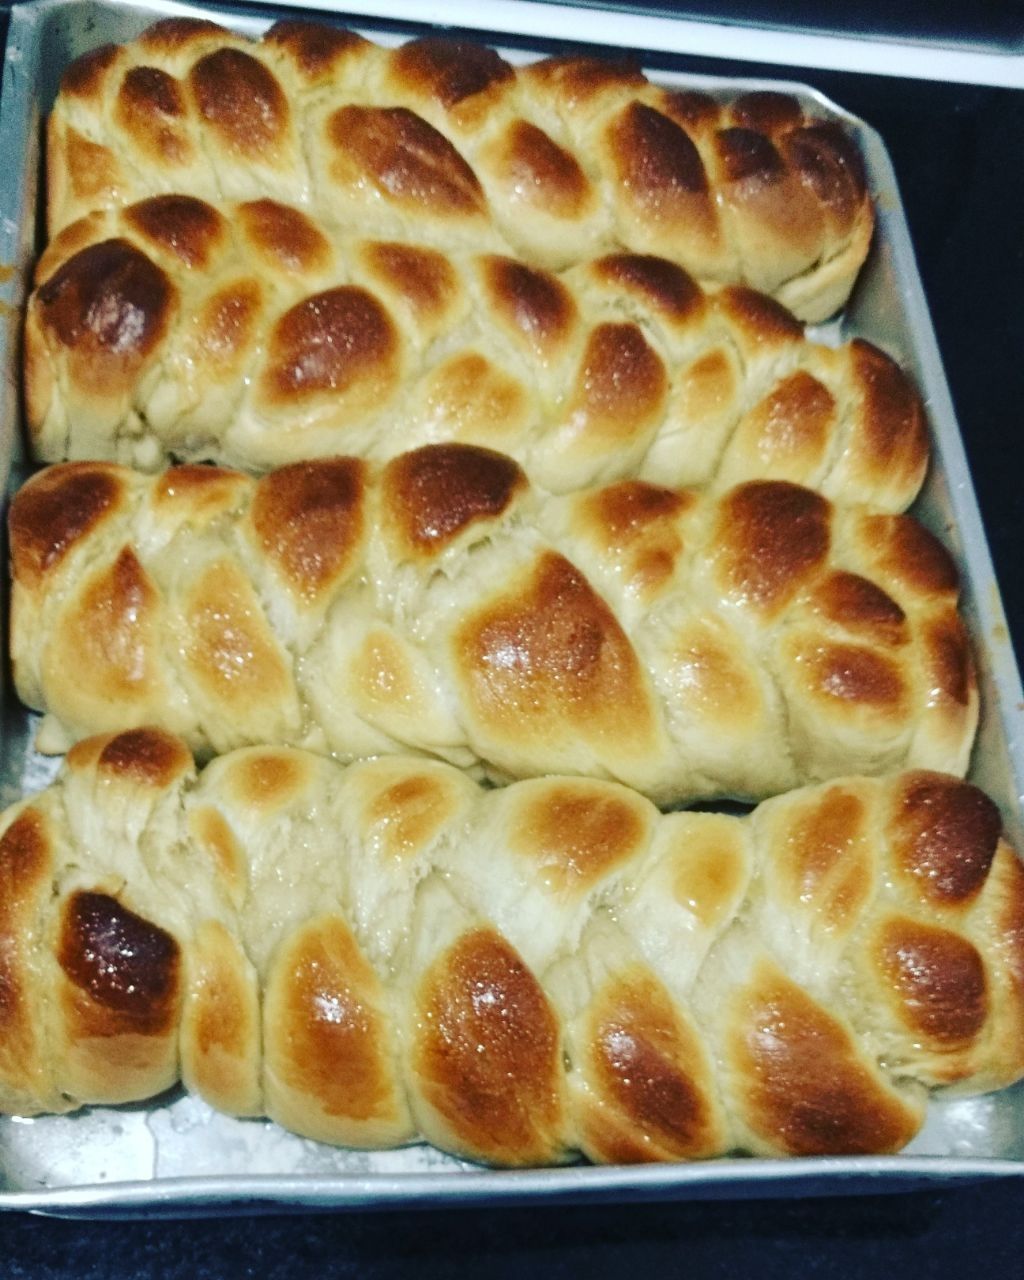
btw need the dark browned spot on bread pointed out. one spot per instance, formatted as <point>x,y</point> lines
<point>84,76</point>
<point>625,511</point>
<point>315,47</point>
<point>861,607</point>
<point>759,318</point>
<point>649,1064</point>
<point>856,676</point>
<point>148,89</point>
<point>329,342</point>
<point>535,303</point>
<point>149,756</point>
<point>434,493</point>
<point>772,537</point>
<point>767,111</point>
<point>487,1051</point>
<point>748,157</point>
<point>108,298</point>
<point>660,283</point>
<point>406,158</point>
<point>893,416</point>
<point>425,278</point>
<point>56,509</point>
<point>450,70</point>
<point>189,228</point>
<point>575,80</point>
<point>950,661</point>
<point>800,1081</point>
<point>541,172</point>
<point>309,519</point>
<point>241,101</point>
<point>911,554</point>
<point>577,834</point>
<point>551,657</point>
<point>123,962</point>
<point>285,235</point>
<point>170,34</point>
<point>655,157</point>
<point>690,108</point>
<point>944,834</point>
<point>151,106</point>
<point>335,1038</point>
<point>938,978</point>
<point>829,161</point>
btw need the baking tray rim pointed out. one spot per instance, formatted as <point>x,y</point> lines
<point>738,1178</point>
<point>808,1177</point>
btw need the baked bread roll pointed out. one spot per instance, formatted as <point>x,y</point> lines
<point>384,951</point>
<point>251,336</point>
<point>685,646</point>
<point>444,141</point>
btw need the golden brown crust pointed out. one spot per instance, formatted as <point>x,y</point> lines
<point>108,306</point>
<point>549,660</point>
<point>328,1038</point>
<point>534,304</point>
<point>406,158</point>
<point>938,978</point>
<point>650,1072</point>
<point>806,1088</point>
<point>774,538</point>
<point>189,228</point>
<point>945,835</point>
<point>450,71</point>
<point>285,235</point>
<point>309,519</point>
<point>563,159</point>
<point>543,174</point>
<point>340,342</point>
<point>434,494</point>
<point>241,101</point>
<point>691,647</point>
<point>483,1020</point>
<point>516,974</point>
<point>56,510</point>
<point>315,49</point>
<point>26,872</point>
<point>251,334</point>
<point>578,833</point>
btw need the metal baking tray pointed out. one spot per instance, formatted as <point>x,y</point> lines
<point>176,1157</point>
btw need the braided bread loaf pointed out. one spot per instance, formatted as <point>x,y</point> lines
<point>444,141</point>
<point>373,953</point>
<point>685,646</point>
<point>251,336</point>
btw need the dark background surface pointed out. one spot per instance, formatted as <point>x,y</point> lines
<point>958,153</point>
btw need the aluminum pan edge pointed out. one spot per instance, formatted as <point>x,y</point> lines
<point>952,507</point>
<point>730,1179</point>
